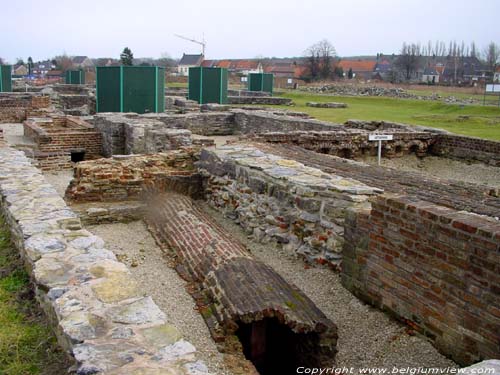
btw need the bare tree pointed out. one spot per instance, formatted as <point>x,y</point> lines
<point>64,62</point>
<point>320,57</point>
<point>492,55</point>
<point>408,59</point>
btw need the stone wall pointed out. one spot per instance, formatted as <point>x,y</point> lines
<point>93,303</point>
<point>467,148</point>
<point>124,177</point>
<point>277,199</point>
<point>235,291</point>
<point>125,134</point>
<point>433,267</point>
<point>252,122</point>
<point>16,107</point>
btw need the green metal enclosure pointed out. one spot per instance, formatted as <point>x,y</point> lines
<point>261,82</point>
<point>208,85</point>
<point>139,89</point>
<point>75,77</point>
<point>5,78</point>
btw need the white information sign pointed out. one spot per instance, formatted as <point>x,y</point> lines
<point>493,87</point>
<point>379,138</point>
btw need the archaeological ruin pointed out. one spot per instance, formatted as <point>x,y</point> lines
<point>209,182</point>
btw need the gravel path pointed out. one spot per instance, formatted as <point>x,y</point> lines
<point>367,337</point>
<point>135,246</point>
<point>477,173</point>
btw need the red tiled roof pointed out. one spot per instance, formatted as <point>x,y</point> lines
<point>223,64</point>
<point>357,65</point>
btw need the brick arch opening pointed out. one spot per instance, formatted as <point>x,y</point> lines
<point>345,153</point>
<point>273,348</point>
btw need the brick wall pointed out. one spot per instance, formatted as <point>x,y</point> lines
<point>468,148</point>
<point>16,107</point>
<point>433,267</point>
<point>125,177</point>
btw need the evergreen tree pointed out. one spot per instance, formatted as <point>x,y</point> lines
<point>127,57</point>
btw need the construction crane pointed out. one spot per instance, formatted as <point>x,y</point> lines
<point>202,43</point>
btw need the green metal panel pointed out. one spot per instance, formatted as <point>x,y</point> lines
<point>5,78</point>
<point>194,84</point>
<point>208,85</point>
<point>139,89</point>
<point>261,82</point>
<point>160,89</point>
<point>75,77</point>
<point>108,89</point>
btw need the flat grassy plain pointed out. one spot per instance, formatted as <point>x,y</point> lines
<point>472,120</point>
<point>27,345</point>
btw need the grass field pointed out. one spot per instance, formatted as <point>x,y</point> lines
<point>476,121</point>
<point>27,345</point>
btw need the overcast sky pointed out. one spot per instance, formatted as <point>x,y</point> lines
<point>237,29</point>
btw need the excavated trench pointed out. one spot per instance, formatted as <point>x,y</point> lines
<point>277,326</point>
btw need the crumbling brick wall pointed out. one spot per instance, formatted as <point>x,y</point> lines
<point>435,268</point>
<point>350,143</point>
<point>124,177</point>
<point>16,107</point>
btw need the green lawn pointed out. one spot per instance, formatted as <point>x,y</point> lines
<point>476,121</point>
<point>27,345</point>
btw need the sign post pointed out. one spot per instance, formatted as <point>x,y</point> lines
<point>379,138</point>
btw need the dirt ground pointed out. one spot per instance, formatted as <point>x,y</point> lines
<point>477,173</point>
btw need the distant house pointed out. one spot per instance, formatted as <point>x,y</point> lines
<point>430,75</point>
<point>363,69</point>
<point>382,70</point>
<point>284,70</point>
<point>188,61</point>
<point>41,68</point>
<point>468,70</point>
<point>104,61</point>
<point>82,62</point>
<point>20,70</point>
<point>496,76</point>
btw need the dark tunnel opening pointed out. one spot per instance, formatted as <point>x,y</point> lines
<point>274,348</point>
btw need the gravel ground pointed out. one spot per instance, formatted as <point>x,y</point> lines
<point>367,337</point>
<point>477,173</point>
<point>59,180</point>
<point>135,246</point>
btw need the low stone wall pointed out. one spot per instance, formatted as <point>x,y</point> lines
<point>433,267</point>
<point>124,177</point>
<point>99,315</point>
<point>247,93</point>
<point>17,107</point>
<point>467,148</point>
<point>264,100</point>
<point>282,200</point>
<point>326,105</point>
<point>278,326</point>
<point>252,122</point>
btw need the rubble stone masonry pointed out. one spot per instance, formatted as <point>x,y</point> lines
<point>93,303</point>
